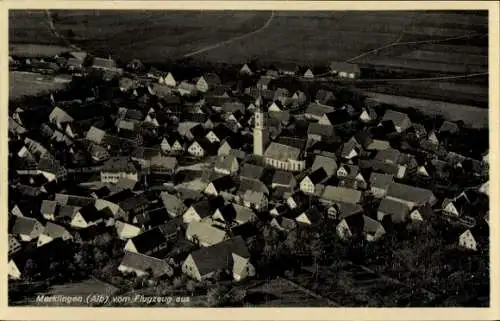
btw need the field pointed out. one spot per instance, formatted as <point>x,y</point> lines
<point>30,84</point>
<point>397,44</point>
<point>472,116</point>
<point>36,50</point>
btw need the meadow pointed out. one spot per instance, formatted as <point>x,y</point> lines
<point>22,84</point>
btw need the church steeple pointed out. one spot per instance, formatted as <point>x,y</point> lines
<point>260,131</point>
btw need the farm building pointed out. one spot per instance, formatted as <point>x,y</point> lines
<point>345,70</point>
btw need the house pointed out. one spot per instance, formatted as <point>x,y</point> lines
<point>224,183</point>
<point>276,106</point>
<point>309,183</point>
<point>448,128</point>
<point>14,245</point>
<point>345,70</point>
<point>201,147</point>
<point>284,179</point>
<point>85,217</point>
<point>360,226</point>
<point>324,97</point>
<point>252,185</point>
<point>286,68</point>
<point>422,213</point>
<point>169,80</point>
<point>231,107</point>
<point>142,265</point>
<point>379,184</point>
<point>298,98</point>
<point>118,167</point>
<point>328,164</point>
<point>229,144</point>
<point>410,195</point>
<point>317,131</point>
<point>335,194</point>
<point>400,120</point>
<point>218,133</point>
<point>297,200</point>
<point>231,255</point>
<point>350,150</point>
<point>174,205</point>
<point>149,242</point>
<point>58,117</point>
<point>368,115</point>
<point>51,168</point>
<point>201,210</point>
<point>252,172</point>
<point>26,228</point>
<point>135,204</point>
<point>207,82</point>
<point>51,232</point>
<point>24,208</point>
<point>126,231</point>
<point>286,222</point>
<point>105,64</point>
<point>397,211</point>
<point>205,234</point>
<point>282,96</point>
<point>232,215</point>
<point>263,83</point>
<point>342,210</point>
<point>456,207</point>
<point>246,70</point>
<point>310,216</point>
<point>315,111</point>
<point>279,210</point>
<point>95,135</point>
<point>334,118</point>
<point>163,164</point>
<point>475,238</point>
<point>226,164</point>
<point>172,144</point>
<point>256,200</point>
<point>186,89</point>
<point>350,175</point>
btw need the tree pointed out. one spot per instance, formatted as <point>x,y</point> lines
<point>216,296</point>
<point>30,269</point>
<point>317,251</point>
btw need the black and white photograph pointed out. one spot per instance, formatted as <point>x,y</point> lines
<point>162,158</point>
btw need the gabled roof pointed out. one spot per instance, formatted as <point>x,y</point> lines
<point>410,193</point>
<point>24,225</point>
<point>225,162</point>
<point>318,176</point>
<point>363,137</point>
<point>399,211</point>
<point>119,164</point>
<point>282,177</point>
<point>253,185</point>
<point>396,117</point>
<point>282,152</point>
<point>379,180</point>
<point>351,170</point>
<point>212,79</point>
<point>252,171</point>
<point>132,203</point>
<point>313,215</point>
<point>344,66</point>
<point>223,183</point>
<point>318,110</point>
<point>149,240</point>
<point>54,231</point>
<point>448,127</point>
<point>341,194</point>
<point>360,224</point>
<point>233,106</point>
<point>95,135</point>
<point>219,256</point>
<point>390,155</point>
<point>329,164</point>
<point>232,142</point>
<point>142,262</point>
<point>221,131</point>
<point>319,129</point>
<point>90,214</point>
<point>426,211</point>
<point>73,200</point>
<point>339,116</point>
<point>204,208</point>
<point>205,232</point>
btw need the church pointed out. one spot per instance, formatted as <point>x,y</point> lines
<point>284,154</point>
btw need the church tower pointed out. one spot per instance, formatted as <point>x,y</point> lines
<point>260,131</point>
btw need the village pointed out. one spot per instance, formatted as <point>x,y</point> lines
<point>148,178</point>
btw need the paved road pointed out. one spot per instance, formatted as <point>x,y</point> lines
<point>225,42</point>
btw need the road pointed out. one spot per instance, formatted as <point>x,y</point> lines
<point>225,42</point>
<point>398,43</point>
<point>52,27</point>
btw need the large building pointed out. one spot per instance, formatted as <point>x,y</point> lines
<point>117,168</point>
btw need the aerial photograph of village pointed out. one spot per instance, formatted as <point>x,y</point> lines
<point>161,158</point>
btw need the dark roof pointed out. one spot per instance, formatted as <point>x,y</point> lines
<point>223,183</point>
<point>119,164</point>
<point>120,196</point>
<point>221,131</point>
<point>148,240</point>
<point>252,171</point>
<point>212,79</point>
<point>318,176</point>
<point>363,137</point>
<point>282,177</point>
<point>130,204</point>
<point>324,96</point>
<point>319,129</point>
<point>37,180</point>
<point>338,116</point>
<point>204,208</point>
<point>360,224</point>
<point>219,256</point>
<point>208,147</point>
<point>399,211</point>
<point>90,213</point>
<point>233,142</point>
